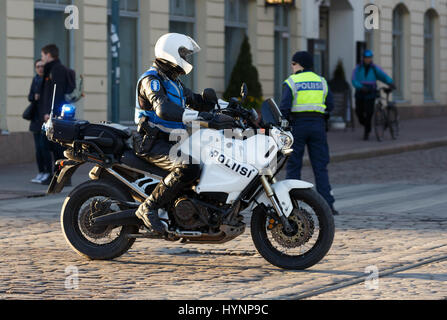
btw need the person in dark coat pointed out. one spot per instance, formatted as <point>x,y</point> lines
<point>54,73</point>
<point>41,143</point>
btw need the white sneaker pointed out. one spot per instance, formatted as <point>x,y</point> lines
<point>38,178</point>
<point>45,178</point>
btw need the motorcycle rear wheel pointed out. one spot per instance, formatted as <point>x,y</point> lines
<point>277,255</point>
<point>75,233</point>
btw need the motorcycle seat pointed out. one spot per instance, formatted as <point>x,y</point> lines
<point>130,159</point>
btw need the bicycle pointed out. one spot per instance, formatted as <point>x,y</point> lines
<point>386,115</point>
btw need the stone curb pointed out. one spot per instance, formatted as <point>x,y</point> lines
<point>389,150</point>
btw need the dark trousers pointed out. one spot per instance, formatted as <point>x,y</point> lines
<point>57,150</point>
<point>364,108</point>
<point>181,173</point>
<point>311,132</point>
<point>160,156</point>
<point>43,154</point>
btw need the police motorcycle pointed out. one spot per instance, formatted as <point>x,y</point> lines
<point>291,225</point>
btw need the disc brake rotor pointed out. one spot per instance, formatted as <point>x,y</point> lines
<point>86,225</point>
<point>303,229</point>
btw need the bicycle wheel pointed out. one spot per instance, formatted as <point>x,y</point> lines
<point>379,124</point>
<point>393,121</point>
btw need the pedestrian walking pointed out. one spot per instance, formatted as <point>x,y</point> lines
<point>55,73</point>
<point>305,102</point>
<point>36,117</point>
<point>364,80</point>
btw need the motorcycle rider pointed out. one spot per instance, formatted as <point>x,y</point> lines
<point>164,105</point>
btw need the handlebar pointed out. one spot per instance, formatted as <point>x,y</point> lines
<point>387,90</point>
<point>243,117</point>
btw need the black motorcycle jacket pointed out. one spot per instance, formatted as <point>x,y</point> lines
<point>162,95</point>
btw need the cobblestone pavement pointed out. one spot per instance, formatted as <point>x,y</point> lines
<point>393,220</point>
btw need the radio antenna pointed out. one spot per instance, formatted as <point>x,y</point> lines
<point>52,104</point>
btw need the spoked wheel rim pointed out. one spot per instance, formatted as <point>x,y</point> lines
<point>304,237</point>
<point>96,236</point>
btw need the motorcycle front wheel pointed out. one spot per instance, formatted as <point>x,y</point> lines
<point>310,240</point>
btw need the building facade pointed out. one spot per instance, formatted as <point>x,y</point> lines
<point>410,44</point>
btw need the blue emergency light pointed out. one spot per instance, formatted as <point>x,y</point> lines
<point>68,112</point>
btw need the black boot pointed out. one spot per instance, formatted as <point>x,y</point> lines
<point>165,192</point>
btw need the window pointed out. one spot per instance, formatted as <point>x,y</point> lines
<point>51,4</point>
<point>282,57</point>
<point>181,20</point>
<point>49,28</point>
<point>128,33</point>
<point>236,25</point>
<point>398,51</point>
<point>429,57</point>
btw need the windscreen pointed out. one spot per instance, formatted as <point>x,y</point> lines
<point>270,112</point>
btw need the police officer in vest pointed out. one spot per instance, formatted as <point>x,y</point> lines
<point>306,101</point>
<point>164,105</point>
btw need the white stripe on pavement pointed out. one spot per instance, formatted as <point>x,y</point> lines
<point>358,201</point>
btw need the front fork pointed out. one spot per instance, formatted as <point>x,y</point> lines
<point>271,195</point>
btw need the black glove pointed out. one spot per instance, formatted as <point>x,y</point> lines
<point>207,116</point>
<point>221,121</point>
<point>210,98</point>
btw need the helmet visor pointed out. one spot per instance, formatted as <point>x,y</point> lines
<point>185,54</point>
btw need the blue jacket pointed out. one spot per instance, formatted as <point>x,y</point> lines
<point>161,86</point>
<point>163,100</point>
<point>366,77</point>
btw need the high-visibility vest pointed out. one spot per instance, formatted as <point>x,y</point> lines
<point>309,92</point>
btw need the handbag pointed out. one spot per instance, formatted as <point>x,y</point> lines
<point>28,114</point>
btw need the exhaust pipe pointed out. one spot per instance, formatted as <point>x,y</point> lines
<point>120,218</point>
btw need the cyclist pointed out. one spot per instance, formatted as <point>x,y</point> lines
<point>364,80</point>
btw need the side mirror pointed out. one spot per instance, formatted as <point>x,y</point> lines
<point>244,91</point>
<point>209,95</point>
<point>253,115</point>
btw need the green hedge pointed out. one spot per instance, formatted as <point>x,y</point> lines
<point>245,71</point>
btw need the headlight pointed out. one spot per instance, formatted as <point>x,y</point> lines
<point>284,140</point>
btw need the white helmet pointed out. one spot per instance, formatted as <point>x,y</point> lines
<point>175,47</point>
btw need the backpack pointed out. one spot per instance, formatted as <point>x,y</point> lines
<point>75,87</point>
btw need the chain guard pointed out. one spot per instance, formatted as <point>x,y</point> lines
<point>303,226</point>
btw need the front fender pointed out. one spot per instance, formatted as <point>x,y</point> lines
<point>282,191</point>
